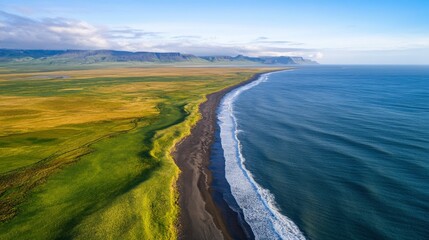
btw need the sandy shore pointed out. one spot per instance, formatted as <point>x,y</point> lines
<point>200,218</point>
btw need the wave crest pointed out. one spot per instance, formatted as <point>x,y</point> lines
<point>258,204</point>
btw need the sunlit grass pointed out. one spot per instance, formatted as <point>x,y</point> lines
<point>88,156</point>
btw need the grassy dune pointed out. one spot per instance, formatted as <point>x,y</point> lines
<point>85,153</point>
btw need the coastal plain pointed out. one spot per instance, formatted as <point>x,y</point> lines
<point>86,154</point>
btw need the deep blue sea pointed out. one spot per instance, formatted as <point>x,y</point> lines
<point>329,152</point>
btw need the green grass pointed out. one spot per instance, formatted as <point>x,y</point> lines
<point>95,163</point>
<point>119,167</point>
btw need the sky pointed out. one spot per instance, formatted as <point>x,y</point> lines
<point>329,31</point>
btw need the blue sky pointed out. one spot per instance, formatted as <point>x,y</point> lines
<point>355,32</point>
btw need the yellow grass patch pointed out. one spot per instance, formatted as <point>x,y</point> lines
<point>23,114</point>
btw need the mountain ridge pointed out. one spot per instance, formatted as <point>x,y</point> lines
<point>97,56</point>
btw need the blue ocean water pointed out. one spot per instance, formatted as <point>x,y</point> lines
<point>330,152</point>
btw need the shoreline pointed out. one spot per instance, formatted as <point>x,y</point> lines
<point>200,217</point>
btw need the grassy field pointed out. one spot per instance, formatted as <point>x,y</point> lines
<point>84,154</point>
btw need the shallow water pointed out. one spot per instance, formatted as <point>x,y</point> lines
<point>340,151</point>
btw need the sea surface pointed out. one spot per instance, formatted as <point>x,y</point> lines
<point>327,152</point>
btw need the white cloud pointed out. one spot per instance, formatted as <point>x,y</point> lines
<point>49,33</point>
<point>317,55</point>
<point>60,33</point>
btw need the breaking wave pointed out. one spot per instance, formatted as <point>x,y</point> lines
<point>258,204</point>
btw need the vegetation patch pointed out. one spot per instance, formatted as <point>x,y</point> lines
<point>88,156</point>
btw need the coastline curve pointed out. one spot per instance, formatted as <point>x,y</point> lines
<point>200,217</point>
<point>258,204</point>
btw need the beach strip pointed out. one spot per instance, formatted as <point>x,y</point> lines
<point>200,217</point>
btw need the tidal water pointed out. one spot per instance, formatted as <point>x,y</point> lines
<point>328,152</point>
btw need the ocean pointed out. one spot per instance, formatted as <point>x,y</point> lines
<point>327,152</point>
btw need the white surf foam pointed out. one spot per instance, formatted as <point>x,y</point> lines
<point>258,204</point>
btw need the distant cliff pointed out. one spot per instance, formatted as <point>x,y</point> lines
<point>97,56</point>
<point>283,60</point>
